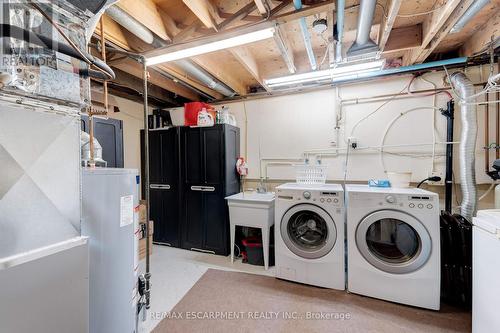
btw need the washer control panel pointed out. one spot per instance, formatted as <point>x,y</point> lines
<point>420,202</point>
<point>317,197</point>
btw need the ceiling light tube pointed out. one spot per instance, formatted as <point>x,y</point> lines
<point>212,46</point>
<point>327,74</point>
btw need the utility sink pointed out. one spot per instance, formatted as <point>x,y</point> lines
<point>252,209</point>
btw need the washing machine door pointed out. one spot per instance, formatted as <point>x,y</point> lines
<point>308,231</point>
<point>393,241</point>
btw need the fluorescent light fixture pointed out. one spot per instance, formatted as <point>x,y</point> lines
<point>239,40</point>
<point>327,75</point>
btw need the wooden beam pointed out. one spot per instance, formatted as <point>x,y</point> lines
<point>437,27</point>
<point>322,7</point>
<point>261,6</point>
<point>481,39</point>
<point>146,12</point>
<point>247,60</point>
<point>388,22</point>
<point>239,15</point>
<point>404,38</point>
<point>169,23</point>
<point>174,70</point>
<point>217,69</point>
<point>248,18</point>
<point>187,32</point>
<point>131,82</point>
<point>156,78</point>
<point>276,10</point>
<point>205,11</point>
<point>113,32</point>
<point>283,43</point>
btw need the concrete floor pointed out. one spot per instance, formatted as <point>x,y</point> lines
<point>175,271</point>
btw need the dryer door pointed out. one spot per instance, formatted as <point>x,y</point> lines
<point>308,231</point>
<point>393,241</point>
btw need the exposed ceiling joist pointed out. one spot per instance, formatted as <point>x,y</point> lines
<point>221,73</point>
<point>248,60</point>
<point>239,15</point>
<point>156,78</point>
<point>146,12</point>
<point>205,11</point>
<point>388,22</point>
<point>480,40</point>
<point>404,38</point>
<point>261,6</point>
<point>322,7</point>
<point>283,43</point>
<point>186,32</point>
<point>437,26</point>
<point>113,31</point>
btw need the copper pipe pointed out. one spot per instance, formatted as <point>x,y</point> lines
<point>487,136</point>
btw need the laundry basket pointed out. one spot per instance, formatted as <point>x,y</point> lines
<point>310,173</point>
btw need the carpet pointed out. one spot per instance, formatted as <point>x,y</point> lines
<point>224,301</point>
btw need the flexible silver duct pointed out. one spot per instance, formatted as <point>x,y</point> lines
<point>363,43</point>
<point>465,89</point>
<point>204,77</point>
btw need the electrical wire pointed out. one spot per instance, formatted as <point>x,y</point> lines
<point>391,123</point>
<point>378,108</point>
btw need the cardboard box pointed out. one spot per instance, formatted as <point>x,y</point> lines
<point>142,240</point>
<point>142,211</point>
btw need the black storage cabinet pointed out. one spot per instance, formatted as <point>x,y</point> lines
<point>192,170</point>
<point>109,133</point>
<point>165,191</point>
<point>209,157</point>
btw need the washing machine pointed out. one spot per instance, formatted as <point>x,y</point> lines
<point>393,244</point>
<point>309,234</point>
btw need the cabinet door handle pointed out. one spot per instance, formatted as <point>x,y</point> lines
<point>196,188</point>
<point>159,187</point>
<point>208,188</point>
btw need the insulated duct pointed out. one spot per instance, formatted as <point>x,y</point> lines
<point>135,27</point>
<point>128,22</point>
<point>205,78</point>
<point>363,43</point>
<point>465,89</point>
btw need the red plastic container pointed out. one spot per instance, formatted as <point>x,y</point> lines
<point>254,251</point>
<point>191,112</point>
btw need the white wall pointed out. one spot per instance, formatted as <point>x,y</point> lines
<point>286,126</point>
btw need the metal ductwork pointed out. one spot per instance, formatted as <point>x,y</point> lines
<point>201,75</point>
<point>465,90</point>
<point>128,22</point>
<point>468,15</point>
<point>139,30</point>
<point>363,43</point>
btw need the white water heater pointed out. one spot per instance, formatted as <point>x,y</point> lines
<point>110,220</point>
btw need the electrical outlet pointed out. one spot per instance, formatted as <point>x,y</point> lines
<point>437,174</point>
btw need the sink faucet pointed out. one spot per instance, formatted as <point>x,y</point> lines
<point>261,188</point>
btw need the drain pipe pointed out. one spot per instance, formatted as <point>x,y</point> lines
<point>306,36</point>
<point>363,43</point>
<point>465,89</point>
<point>340,29</point>
<point>136,27</point>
